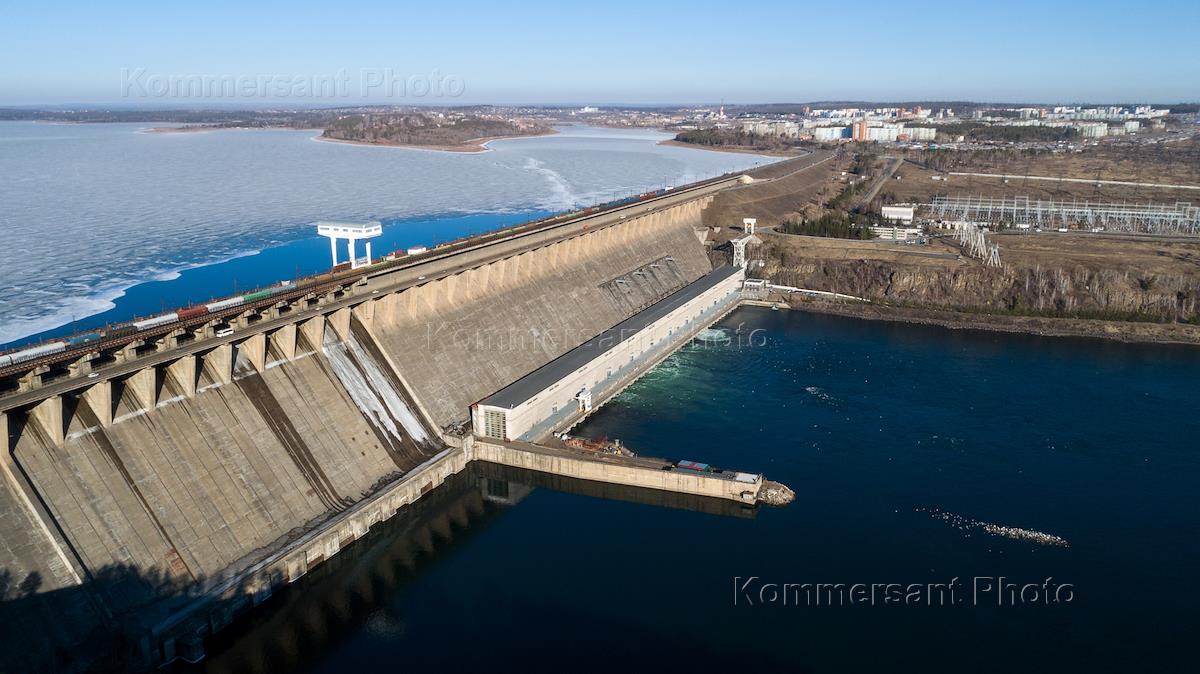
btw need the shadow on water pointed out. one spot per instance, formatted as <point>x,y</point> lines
<point>76,628</point>
<point>351,609</point>
<point>107,623</point>
<point>302,621</point>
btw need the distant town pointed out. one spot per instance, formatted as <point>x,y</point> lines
<point>776,127</point>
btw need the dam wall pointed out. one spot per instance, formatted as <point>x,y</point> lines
<point>141,479</point>
<point>462,337</point>
<point>189,485</point>
<point>153,489</point>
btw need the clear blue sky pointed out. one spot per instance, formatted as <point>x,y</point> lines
<point>608,52</point>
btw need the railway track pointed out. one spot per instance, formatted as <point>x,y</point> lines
<point>346,279</point>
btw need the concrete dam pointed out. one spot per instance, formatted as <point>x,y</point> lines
<point>169,480</point>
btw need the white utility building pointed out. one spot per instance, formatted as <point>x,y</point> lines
<point>351,232</point>
<point>903,213</point>
<point>565,389</point>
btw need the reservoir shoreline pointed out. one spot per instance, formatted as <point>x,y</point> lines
<point>470,146</point>
<point>1131,332</point>
<point>121,249</point>
<point>735,150</point>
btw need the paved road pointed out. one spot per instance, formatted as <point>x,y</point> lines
<point>1088,181</point>
<point>888,172</point>
<point>392,279</point>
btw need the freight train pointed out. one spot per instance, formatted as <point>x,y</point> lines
<point>134,327</point>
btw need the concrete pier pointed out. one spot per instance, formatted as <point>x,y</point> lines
<point>629,471</point>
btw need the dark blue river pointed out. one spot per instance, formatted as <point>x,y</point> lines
<point>916,454</point>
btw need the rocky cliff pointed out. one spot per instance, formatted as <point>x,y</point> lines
<point>1069,290</point>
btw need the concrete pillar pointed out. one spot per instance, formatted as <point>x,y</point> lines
<point>531,264</point>
<point>333,251</point>
<point>23,492</point>
<point>183,371</point>
<point>255,348</point>
<point>98,397</point>
<point>385,308</point>
<point>368,251</point>
<point>512,271</point>
<point>143,383</point>
<point>350,250</point>
<point>408,304</point>
<point>29,381</point>
<point>49,416</point>
<point>81,366</point>
<point>312,331</point>
<point>476,284</point>
<point>340,322</point>
<point>625,234</point>
<point>127,353</point>
<point>449,285</point>
<point>365,312</point>
<point>284,341</point>
<point>219,362</point>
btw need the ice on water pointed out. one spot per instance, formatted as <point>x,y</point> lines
<point>88,213</point>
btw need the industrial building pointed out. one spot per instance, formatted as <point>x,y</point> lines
<point>902,213</point>
<point>563,389</point>
<point>864,131</point>
<point>830,133</point>
<point>896,232</point>
<point>926,133</point>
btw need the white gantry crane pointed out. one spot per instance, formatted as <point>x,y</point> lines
<point>351,232</point>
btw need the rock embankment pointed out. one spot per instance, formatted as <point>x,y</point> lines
<point>775,494</point>
<point>1077,291</point>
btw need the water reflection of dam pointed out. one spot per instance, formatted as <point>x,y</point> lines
<point>336,598</point>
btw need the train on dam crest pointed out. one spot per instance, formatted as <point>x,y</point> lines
<point>133,327</point>
<point>338,272</point>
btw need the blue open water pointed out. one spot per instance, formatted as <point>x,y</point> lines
<point>876,426</point>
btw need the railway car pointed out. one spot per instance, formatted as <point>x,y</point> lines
<point>121,331</point>
<point>155,321</point>
<point>192,312</point>
<point>220,305</point>
<point>32,353</point>
<point>80,340</point>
